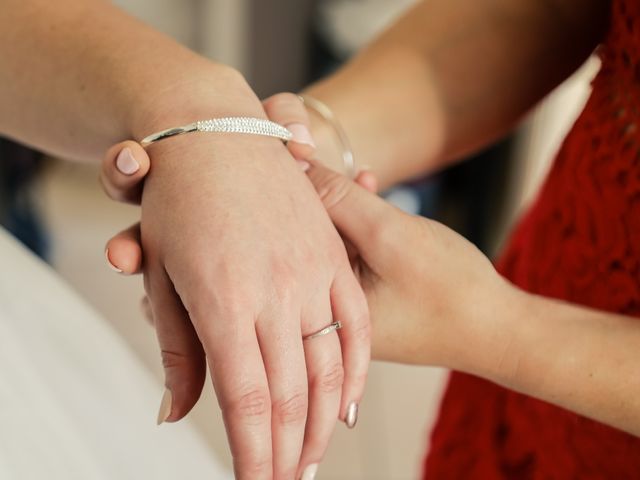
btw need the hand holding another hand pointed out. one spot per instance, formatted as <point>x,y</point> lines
<point>430,292</point>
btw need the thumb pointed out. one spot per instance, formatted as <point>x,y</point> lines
<point>124,167</point>
<point>361,217</point>
<point>183,357</point>
<point>287,109</point>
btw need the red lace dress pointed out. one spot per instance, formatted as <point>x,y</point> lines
<point>580,242</point>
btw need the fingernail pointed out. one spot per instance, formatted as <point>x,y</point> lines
<point>304,165</point>
<point>113,267</point>
<point>301,134</point>
<point>310,472</point>
<point>352,415</point>
<point>165,407</point>
<point>126,163</point>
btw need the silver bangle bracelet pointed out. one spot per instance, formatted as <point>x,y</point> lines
<point>328,116</point>
<point>248,125</point>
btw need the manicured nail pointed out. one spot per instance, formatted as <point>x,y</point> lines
<point>301,134</point>
<point>352,415</point>
<point>304,165</point>
<point>113,267</point>
<point>165,407</point>
<point>310,472</point>
<point>126,163</point>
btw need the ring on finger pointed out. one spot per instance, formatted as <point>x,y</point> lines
<point>325,331</point>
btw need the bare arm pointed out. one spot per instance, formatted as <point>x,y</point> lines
<point>452,75</point>
<point>77,76</point>
<point>80,75</point>
<point>435,299</point>
<point>578,358</point>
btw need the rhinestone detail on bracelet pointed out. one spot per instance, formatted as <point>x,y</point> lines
<point>248,125</point>
<point>255,126</point>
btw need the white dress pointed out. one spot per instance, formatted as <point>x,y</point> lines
<point>75,403</point>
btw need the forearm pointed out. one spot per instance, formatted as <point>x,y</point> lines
<point>578,358</point>
<point>79,76</point>
<point>451,76</point>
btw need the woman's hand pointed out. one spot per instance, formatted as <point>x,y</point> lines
<point>234,235</point>
<point>429,290</point>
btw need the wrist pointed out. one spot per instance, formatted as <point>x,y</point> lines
<point>217,91</point>
<point>500,361</point>
<point>489,348</point>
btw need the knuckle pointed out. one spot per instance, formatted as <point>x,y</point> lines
<point>253,404</point>
<point>332,189</point>
<point>331,380</point>
<point>208,291</point>
<point>292,409</point>
<point>172,359</point>
<point>285,280</point>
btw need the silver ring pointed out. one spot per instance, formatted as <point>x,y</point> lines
<point>326,330</point>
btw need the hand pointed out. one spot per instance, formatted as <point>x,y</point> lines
<point>252,300</point>
<point>429,290</point>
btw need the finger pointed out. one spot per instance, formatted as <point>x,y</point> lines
<point>240,382</point>
<point>350,309</point>
<point>145,306</point>
<point>367,180</point>
<point>124,251</point>
<point>325,374</point>
<point>123,170</point>
<point>280,340</point>
<point>362,218</point>
<point>182,354</point>
<point>287,109</point>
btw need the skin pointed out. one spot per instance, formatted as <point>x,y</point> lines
<point>450,77</point>
<point>458,94</point>
<point>239,302</point>
<point>473,320</point>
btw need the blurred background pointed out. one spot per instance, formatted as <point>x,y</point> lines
<point>58,210</point>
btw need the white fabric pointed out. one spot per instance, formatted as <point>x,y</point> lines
<point>75,402</point>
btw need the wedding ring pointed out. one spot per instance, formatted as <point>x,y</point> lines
<point>326,330</point>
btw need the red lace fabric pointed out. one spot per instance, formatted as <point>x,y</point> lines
<point>579,242</point>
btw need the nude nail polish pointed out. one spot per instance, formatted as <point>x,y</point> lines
<point>111,265</point>
<point>352,415</point>
<point>310,472</point>
<point>165,407</point>
<point>301,134</point>
<point>126,163</point>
